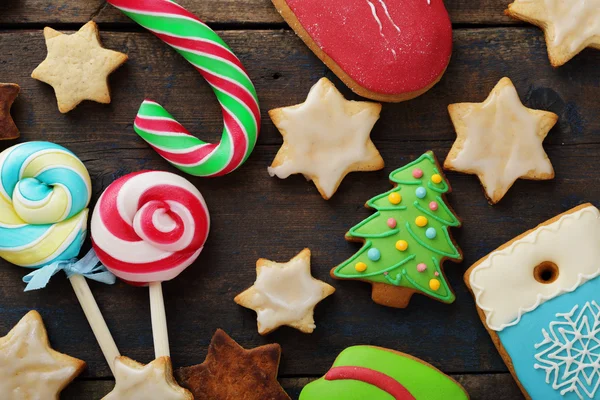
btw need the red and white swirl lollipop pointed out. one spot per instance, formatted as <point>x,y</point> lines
<point>148,227</point>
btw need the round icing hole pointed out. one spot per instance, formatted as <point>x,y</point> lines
<point>546,272</point>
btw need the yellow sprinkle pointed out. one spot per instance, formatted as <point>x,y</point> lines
<point>421,221</point>
<point>395,198</point>
<point>436,178</point>
<point>434,284</point>
<point>360,267</point>
<point>401,245</point>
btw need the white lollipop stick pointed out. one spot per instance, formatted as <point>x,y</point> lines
<point>95,319</point>
<point>159,321</point>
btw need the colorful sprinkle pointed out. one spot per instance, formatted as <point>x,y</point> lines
<point>433,206</point>
<point>430,233</point>
<point>421,192</point>
<point>374,254</point>
<point>391,222</point>
<point>434,284</point>
<point>395,198</point>
<point>417,173</point>
<point>401,245</point>
<point>436,273</point>
<point>436,178</point>
<point>421,267</point>
<point>421,221</point>
<point>360,267</point>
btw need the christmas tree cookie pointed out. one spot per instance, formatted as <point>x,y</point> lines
<point>407,240</point>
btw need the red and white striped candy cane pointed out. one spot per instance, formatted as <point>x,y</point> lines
<point>209,54</point>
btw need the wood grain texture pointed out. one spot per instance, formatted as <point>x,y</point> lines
<point>479,387</point>
<point>212,11</point>
<point>256,216</point>
<point>283,70</point>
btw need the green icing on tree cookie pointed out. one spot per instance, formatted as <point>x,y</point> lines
<point>407,239</point>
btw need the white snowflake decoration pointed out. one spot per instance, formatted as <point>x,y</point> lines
<point>570,351</point>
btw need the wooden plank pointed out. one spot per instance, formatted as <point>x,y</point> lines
<point>479,387</point>
<point>283,70</point>
<point>212,11</point>
<point>256,216</point>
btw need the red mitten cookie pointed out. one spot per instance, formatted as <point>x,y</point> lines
<point>385,50</point>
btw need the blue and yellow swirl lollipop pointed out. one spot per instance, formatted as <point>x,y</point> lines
<point>44,193</point>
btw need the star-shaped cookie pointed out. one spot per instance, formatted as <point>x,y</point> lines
<point>231,372</point>
<point>325,138</point>
<point>285,294</point>
<point>8,94</point>
<point>135,381</point>
<point>29,367</point>
<point>569,26</point>
<point>500,140</point>
<point>77,66</point>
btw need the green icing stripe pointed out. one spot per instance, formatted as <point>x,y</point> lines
<point>454,222</point>
<point>456,254</point>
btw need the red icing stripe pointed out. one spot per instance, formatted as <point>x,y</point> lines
<point>372,377</point>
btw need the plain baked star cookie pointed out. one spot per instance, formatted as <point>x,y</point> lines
<point>77,66</point>
<point>325,138</point>
<point>29,367</point>
<point>285,294</point>
<point>231,372</point>
<point>8,94</point>
<point>500,140</point>
<point>135,381</point>
<point>569,26</point>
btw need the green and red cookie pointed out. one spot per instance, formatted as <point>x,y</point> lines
<point>375,373</point>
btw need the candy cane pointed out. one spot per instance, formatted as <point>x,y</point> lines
<point>209,54</point>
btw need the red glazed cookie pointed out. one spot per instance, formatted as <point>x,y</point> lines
<point>383,50</point>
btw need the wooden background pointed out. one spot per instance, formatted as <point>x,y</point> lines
<point>256,216</point>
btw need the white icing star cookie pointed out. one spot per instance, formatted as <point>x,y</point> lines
<point>325,138</point>
<point>135,381</point>
<point>570,26</point>
<point>29,367</point>
<point>285,294</point>
<point>500,140</point>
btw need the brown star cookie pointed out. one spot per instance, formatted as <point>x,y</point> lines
<point>231,372</point>
<point>77,66</point>
<point>8,94</point>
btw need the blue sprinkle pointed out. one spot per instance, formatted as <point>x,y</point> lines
<point>430,233</point>
<point>374,254</point>
<point>421,192</point>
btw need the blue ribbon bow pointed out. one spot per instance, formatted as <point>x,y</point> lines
<point>89,266</point>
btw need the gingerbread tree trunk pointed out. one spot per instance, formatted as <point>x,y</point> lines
<point>407,239</point>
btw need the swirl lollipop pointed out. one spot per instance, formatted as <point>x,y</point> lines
<point>44,193</point>
<point>147,228</point>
